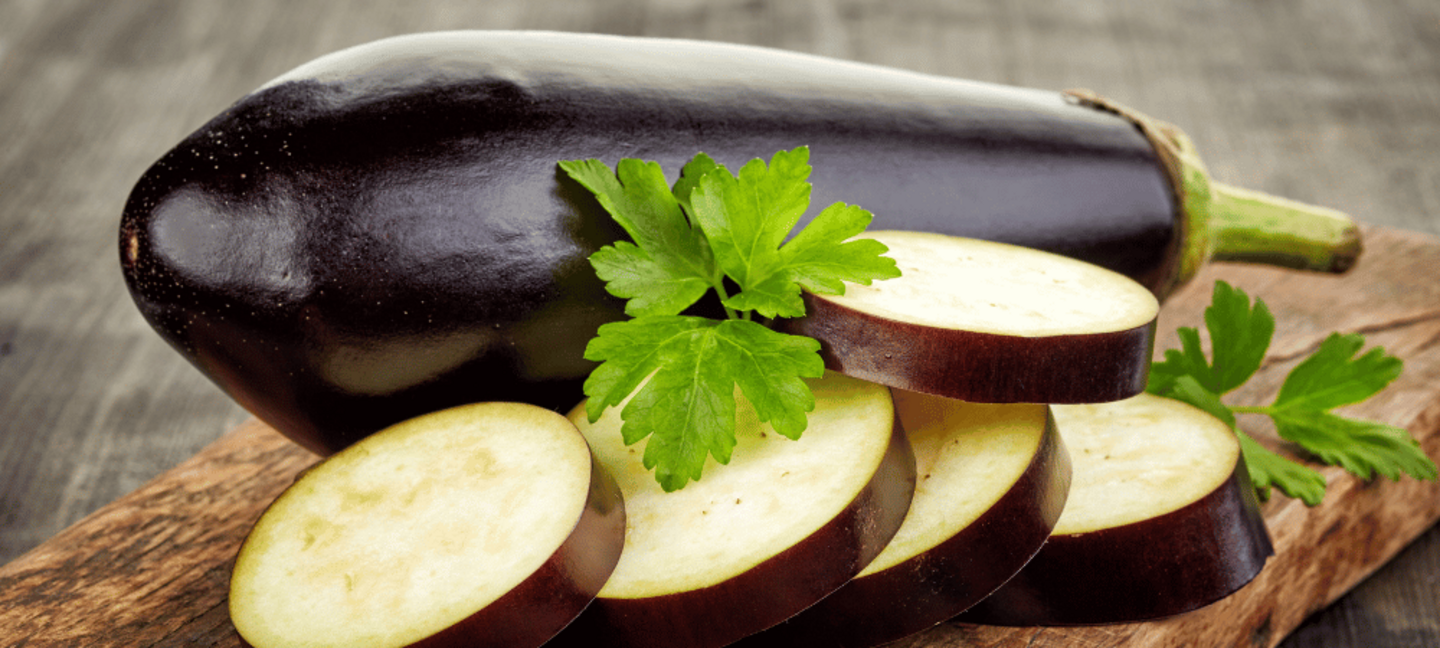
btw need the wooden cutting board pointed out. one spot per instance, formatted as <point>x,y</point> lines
<point>151,569</point>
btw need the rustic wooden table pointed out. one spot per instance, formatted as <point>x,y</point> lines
<point>1330,102</point>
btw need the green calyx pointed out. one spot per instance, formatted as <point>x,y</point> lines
<point>1228,223</point>
<point>1219,222</point>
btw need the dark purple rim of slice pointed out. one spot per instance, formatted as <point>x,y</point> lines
<point>1154,568</point>
<point>770,592</point>
<point>943,581</point>
<point>975,366</point>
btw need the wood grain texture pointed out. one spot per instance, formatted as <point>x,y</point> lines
<point>151,569</point>
<point>1327,101</point>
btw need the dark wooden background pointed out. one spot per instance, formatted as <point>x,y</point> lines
<point>1328,101</point>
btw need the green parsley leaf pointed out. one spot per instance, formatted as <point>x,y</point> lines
<point>1334,377</point>
<point>669,267</point>
<point>1362,448</point>
<point>1269,469</point>
<point>1239,337</point>
<point>1189,362</point>
<point>690,176</point>
<point>1189,390</point>
<point>746,218</point>
<point>1266,468</point>
<point>714,230</point>
<point>1331,377</point>
<point>690,368</point>
<point>821,257</point>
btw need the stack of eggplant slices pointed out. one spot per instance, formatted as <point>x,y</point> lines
<point>981,449</point>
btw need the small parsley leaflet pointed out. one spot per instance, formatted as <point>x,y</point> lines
<point>1331,377</point>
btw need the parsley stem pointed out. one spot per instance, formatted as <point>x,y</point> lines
<point>1250,409</point>
<point>719,285</point>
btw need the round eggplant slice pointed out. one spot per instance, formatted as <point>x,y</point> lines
<point>482,525</point>
<point>988,322</point>
<point>1161,520</point>
<point>992,482</point>
<point>754,542</point>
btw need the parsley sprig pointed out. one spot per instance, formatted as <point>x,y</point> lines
<point>714,230</point>
<point>1331,377</point>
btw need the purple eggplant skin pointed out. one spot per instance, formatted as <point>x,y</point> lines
<point>384,231</point>
<point>1151,569</point>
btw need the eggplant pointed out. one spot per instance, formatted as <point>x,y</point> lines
<point>384,232</point>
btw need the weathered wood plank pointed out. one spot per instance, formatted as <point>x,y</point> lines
<point>151,569</point>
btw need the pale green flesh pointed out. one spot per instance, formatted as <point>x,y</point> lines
<point>774,492</point>
<point>967,456</point>
<point>972,285</point>
<point>1138,459</point>
<point>411,530</point>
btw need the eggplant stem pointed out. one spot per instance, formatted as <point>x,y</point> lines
<point>1224,223</point>
<point>1255,227</point>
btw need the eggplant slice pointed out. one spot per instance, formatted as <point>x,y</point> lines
<point>781,526</point>
<point>988,322</point>
<point>1161,520</point>
<point>482,525</point>
<point>992,483</point>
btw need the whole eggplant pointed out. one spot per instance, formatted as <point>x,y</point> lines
<point>384,231</point>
